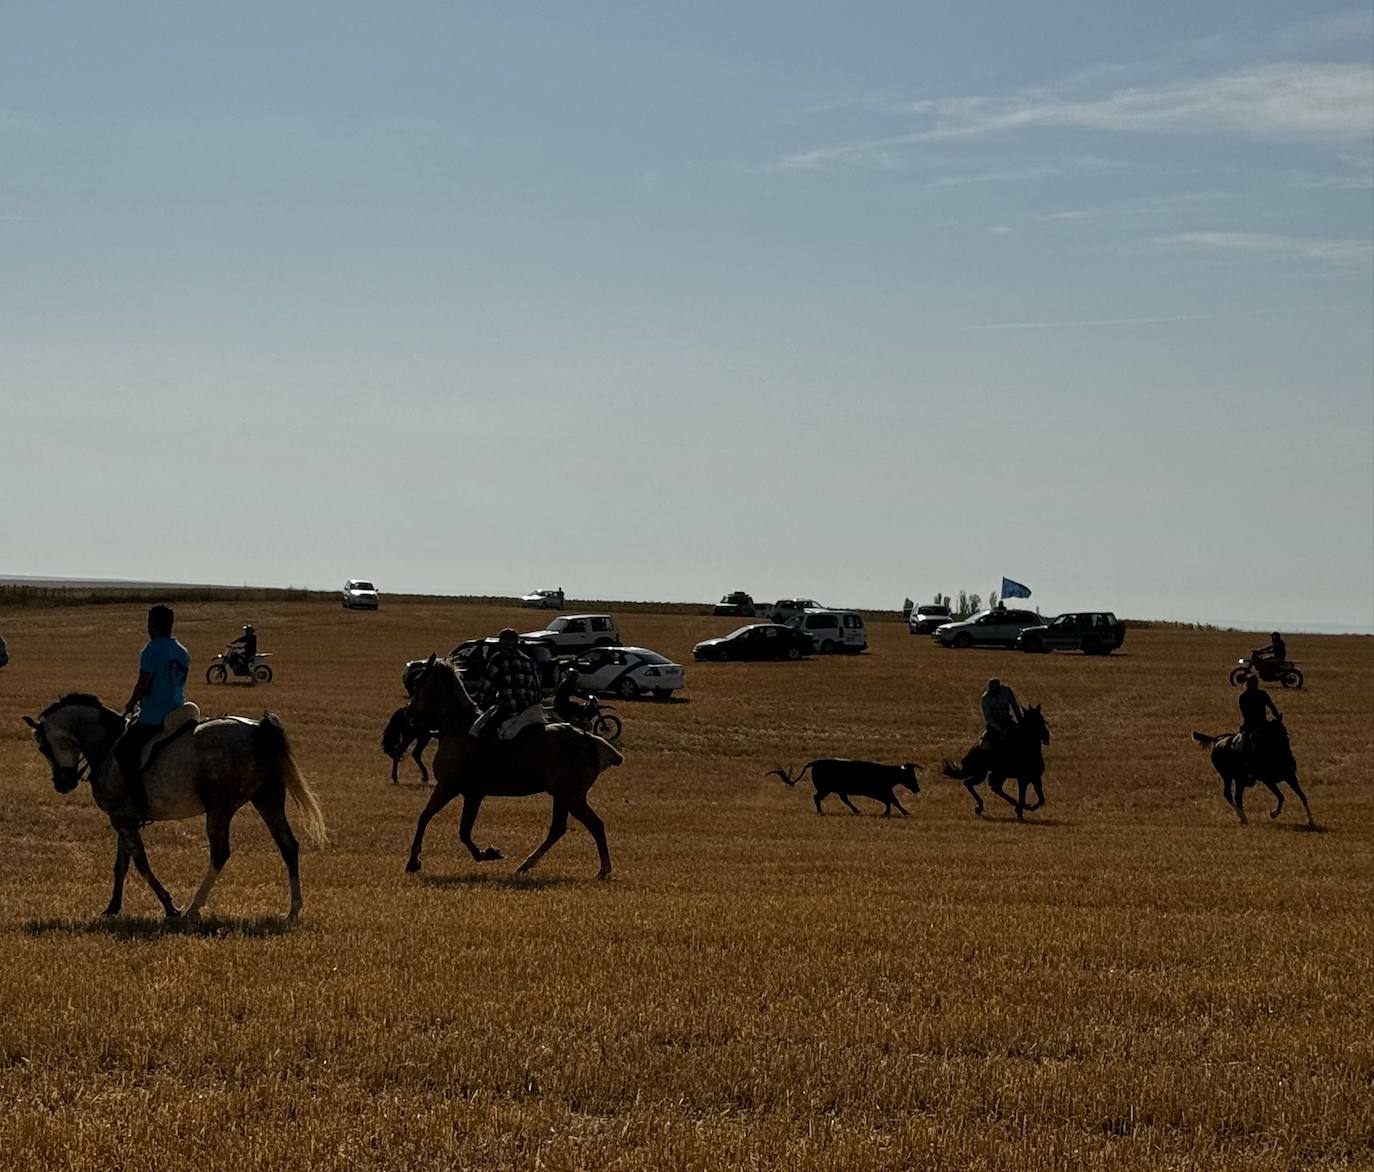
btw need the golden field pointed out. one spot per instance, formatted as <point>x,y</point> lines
<point>1129,980</point>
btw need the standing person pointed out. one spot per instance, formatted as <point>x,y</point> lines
<point>1255,706</point>
<point>1001,713</point>
<point>163,666</point>
<point>517,700</point>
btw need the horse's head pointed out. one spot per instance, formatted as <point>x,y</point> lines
<point>74,727</point>
<point>436,690</point>
<point>1034,721</point>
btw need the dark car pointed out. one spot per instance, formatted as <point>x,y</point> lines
<point>1097,632</point>
<point>760,641</point>
<point>737,602</point>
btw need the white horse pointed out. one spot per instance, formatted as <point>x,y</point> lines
<point>211,769</point>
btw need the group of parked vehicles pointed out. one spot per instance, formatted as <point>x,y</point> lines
<point>1091,632</point>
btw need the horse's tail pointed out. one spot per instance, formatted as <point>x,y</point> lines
<point>274,753</point>
<point>958,772</point>
<point>1200,738</point>
<point>394,736</point>
<point>781,772</point>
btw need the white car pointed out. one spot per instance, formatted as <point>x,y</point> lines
<point>629,672</point>
<point>359,594</point>
<point>789,608</point>
<point>543,599</point>
<point>832,630</point>
<point>570,633</point>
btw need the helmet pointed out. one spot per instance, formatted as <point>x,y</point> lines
<point>1275,635</point>
<point>248,626</point>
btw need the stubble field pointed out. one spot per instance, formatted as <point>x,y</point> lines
<point>1131,979</point>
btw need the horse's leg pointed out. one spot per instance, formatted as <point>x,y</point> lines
<point>471,804</point>
<point>588,817</point>
<point>1292,780</point>
<point>845,799</point>
<point>444,792</point>
<point>1240,798</point>
<point>1273,788</point>
<point>394,762</point>
<point>217,831</point>
<point>421,744</point>
<point>971,784</point>
<point>558,826</point>
<point>121,868</point>
<point>133,843</point>
<point>998,780</point>
<point>1039,794</point>
<point>270,802</point>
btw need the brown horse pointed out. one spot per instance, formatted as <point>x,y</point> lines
<point>1021,757</point>
<point>1271,767</point>
<point>213,769</point>
<point>555,759</point>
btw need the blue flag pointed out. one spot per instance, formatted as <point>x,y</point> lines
<point>1012,589</point>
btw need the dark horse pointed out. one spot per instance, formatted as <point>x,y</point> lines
<point>1238,770</point>
<point>212,769</point>
<point>555,759</point>
<point>400,733</point>
<point>1019,756</point>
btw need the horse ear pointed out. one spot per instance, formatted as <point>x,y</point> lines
<point>33,724</point>
<point>433,655</point>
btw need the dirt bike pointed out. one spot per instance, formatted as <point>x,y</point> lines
<point>596,719</point>
<point>1270,671</point>
<point>226,663</point>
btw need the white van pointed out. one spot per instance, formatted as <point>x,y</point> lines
<point>832,630</point>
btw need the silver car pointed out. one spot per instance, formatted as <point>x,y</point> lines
<point>999,627</point>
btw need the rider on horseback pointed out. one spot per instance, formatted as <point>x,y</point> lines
<point>1255,706</point>
<point>514,681</point>
<point>1001,712</point>
<point>163,667</point>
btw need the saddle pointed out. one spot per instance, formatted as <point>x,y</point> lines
<point>179,721</point>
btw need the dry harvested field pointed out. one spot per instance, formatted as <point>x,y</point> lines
<point>1131,979</point>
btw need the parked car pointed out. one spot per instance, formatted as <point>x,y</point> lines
<point>757,641</point>
<point>737,602</point>
<point>359,594</point>
<point>1096,632</point>
<point>788,608</point>
<point>629,672</point>
<point>832,630</point>
<point>543,599</point>
<point>545,662</point>
<point>999,627</point>
<point>571,633</point>
<point>4,652</point>
<point>925,619</point>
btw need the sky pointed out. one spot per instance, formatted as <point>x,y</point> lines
<point>657,301</point>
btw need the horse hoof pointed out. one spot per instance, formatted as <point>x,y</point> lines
<point>603,874</point>
<point>412,866</point>
<point>173,914</point>
<point>491,854</point>
<point>110,912</point>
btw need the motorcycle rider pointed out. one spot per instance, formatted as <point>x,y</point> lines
<point>517,701</point>
<point>1255,706</point>
<point>570,701</point>
<point>1276,652</point>
<point>240,653</point>
<point>1001,713</point>
<point>163,666</point>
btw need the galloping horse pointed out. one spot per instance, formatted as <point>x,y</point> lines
<point>556,759</point>
<point>212,769</point>
<point>1239,771</point>
<point>1019,756</point>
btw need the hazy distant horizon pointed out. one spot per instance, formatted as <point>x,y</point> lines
<point>1247,625</point>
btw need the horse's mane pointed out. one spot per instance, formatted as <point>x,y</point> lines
<point>85,699</point>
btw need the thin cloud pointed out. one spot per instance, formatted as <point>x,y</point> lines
<point>1162,319</point>
<point>1267,242</point>
<point>1330,100</point>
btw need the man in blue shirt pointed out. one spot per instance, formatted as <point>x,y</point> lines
<point>162,670</point>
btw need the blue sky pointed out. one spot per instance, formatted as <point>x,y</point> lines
<point>657,301</point>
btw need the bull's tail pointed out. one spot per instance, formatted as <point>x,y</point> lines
<point>781,772</point>
<point>274,752</point>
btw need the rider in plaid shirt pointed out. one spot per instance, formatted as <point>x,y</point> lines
<point>512,677</point>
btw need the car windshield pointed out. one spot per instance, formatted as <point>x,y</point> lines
<point>361,586</point>
<point>932,610</point>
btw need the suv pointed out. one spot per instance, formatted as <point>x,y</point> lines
<point>998,627</point>
<point>832,630</point>
<point>1096,632</point>
<point>543,599</point>
<point>737,602</point>
<point>571,633</point>
<point>360,595</point>
<point>925,619</point>
<point>788,608</point>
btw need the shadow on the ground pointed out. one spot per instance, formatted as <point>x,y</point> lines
<point>1029,820</point>
<point>152,927</point>
<point>1296,827</point>
<point>509,882</point>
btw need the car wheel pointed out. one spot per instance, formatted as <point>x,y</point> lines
<point>216,674</point>
<point>627,688</point>
<point>1032,645</point>
<point>826,647</point>
<point>604,642</point>
<point>794,653</point>
<point>663,693</point>
<point>963,639</point>
<point>1092,647</point>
